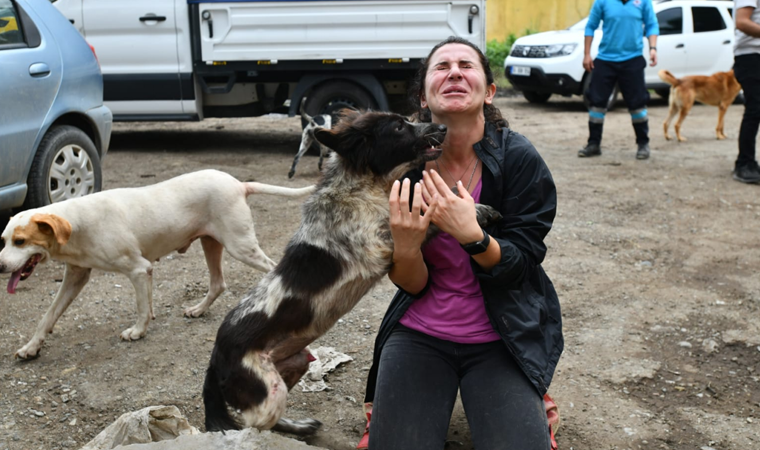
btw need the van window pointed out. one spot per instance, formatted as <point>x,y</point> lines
<point>671,21</point>
<point>10,29</point>
<point>707,19</point>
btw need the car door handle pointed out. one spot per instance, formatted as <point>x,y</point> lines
<point>680,46</point>
<point>149,18</point>
<point>727,41</point>
<point>39,70</point>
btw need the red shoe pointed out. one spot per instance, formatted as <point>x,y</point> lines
<point>552,415</point>
<point>364,442</point>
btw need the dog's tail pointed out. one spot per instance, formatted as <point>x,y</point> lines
<point>252,187</point>
<point>217,416</point>
<point>668,77</point>
<point>302,111</point>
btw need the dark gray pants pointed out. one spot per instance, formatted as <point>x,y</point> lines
<point>747,72</point>
<point>417,385</point>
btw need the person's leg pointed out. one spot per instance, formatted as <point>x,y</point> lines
<point>603,79</point>
<point>636,96</point>
<point>416,390</point>
<point>747,72</point>
<point>503,408</point>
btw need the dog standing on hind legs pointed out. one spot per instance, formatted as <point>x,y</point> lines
<point>719,89</point>
<point>341,249</point>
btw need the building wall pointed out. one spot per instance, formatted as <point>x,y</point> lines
<point>515,16</point>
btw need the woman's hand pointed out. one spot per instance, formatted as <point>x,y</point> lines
<point>452,213</point>
<point>408,228</point>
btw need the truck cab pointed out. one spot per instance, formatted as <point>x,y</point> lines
<point>191,59</point>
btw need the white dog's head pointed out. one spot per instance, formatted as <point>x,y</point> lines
<point>29,238</point>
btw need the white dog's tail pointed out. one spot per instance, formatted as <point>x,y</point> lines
<point>253,187</point>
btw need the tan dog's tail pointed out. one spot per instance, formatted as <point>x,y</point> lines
<point>668,77</point>
<point>253,187</point>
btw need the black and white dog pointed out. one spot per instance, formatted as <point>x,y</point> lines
<point>342,248</point>
<point>321,121</point>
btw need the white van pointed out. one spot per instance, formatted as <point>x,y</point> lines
<point>696,38</point>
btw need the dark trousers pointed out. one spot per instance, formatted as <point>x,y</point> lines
<point>417,384</point>
<point>747,72</point>
<point>629,76</point>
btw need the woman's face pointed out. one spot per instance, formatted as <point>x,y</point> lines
<point>455,82</point>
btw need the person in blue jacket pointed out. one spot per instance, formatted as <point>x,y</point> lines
<point>619,61</point>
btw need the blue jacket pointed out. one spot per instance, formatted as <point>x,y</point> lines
<point>520,300</point>
<point>624,26</point>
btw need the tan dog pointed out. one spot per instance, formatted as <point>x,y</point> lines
<point>127,230</point>
<point>719,89</point>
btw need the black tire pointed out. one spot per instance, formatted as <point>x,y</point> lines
<point>66,165</point>
<point>536,97</point>
<point>663,92</point>
<point>332,96</point>
<point>613,97</point>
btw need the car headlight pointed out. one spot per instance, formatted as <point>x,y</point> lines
<point>560,50</point>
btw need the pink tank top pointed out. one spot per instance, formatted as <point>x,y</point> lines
<point>452,309</point>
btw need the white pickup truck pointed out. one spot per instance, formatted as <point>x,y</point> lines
<point>191,59</point>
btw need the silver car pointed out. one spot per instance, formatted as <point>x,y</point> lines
<point>54,128</point>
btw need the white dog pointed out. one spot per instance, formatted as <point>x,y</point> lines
<point>126,230</point>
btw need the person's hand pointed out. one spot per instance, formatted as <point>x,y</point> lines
<point>408,228</point>
<point>588,63</point>
<point>452,213</point>
<point>653,57</point>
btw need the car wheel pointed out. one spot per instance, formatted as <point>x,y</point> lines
<point>610,102</point>
<point>664,92</point>
<point>66,166</point>
<point>536,97</point>
<point>333,96</point>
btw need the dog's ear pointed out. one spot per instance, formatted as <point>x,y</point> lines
<point>327,138</point>
<point>55,226</point>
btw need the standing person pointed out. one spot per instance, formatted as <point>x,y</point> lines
<point>747,72</point>
<point>619,61</point>
<point>474,312</point>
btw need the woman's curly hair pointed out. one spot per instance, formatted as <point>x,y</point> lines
<point>417,86</point>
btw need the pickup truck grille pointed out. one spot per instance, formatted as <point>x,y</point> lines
<point>529,51</point>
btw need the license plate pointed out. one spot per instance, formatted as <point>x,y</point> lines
<point>520,71</point>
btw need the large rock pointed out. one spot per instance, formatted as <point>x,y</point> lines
<point>248,439</point>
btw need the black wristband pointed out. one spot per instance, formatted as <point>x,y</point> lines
<point>478,247</point>
<point>653,48</point>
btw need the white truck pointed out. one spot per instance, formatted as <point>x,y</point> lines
<point>192,59</point>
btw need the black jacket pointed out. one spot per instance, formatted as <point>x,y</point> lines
<point>520,300</point>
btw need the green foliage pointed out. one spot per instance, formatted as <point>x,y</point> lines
<point>497,51</point>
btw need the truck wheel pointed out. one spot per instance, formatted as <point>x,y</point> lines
<point>333,96</point>
<point>536,97</point>
<point>664,92</point>
<point>66,166</point>
<point>610,102</point>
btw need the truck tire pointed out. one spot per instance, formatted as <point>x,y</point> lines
<point>333,96</point>
<point>66,165</point>
<point>536,97</point>
<point>663,92</point>
<point>610,102</point>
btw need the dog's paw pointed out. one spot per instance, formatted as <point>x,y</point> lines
<point>132,334</point>
<point>29,351</point>
<point>682,139</point>
<point>303,427</point>
<point>195,311</point>
<point>487,215</point>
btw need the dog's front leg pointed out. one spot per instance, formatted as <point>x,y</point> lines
<point>74,279</point>
<point>306,141</point>
<point>142,280</point>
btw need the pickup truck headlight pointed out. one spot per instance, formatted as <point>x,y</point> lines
<point>542,51</point>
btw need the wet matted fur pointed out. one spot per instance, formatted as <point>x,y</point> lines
<point>342,248</point>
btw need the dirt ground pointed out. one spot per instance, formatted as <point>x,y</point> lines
<point>655,263</point>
